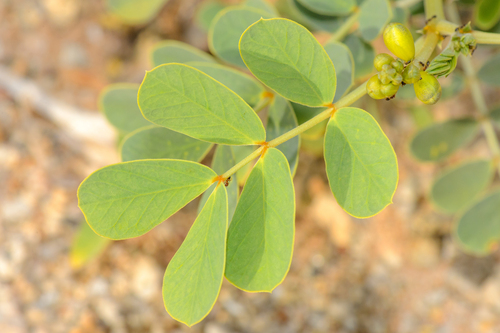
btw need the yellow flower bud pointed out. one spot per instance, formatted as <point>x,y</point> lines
<point>399,41</point>
<point>428,90</point>
<point>411,74</point>
<point>382,59</point>
<point>373,88</point>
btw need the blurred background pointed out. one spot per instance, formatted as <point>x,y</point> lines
<point>399,271</point>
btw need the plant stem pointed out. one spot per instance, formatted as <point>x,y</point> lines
<point>486,37</point>
<point>345,27</point>
<point>347,100</point>
<point>428,46</point>
<point>478,97</point>
<point>265,101</point>
<point>434,7</point>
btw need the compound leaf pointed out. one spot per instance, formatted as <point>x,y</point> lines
<point>456,188</point>
<point>86,246</point>
<point>194,276</point>
<point>222,161</point>
<point>174,51</point>
<point>487,14</point>
<point>360,163</point>
<point>135,12</point>
<point>226,29</point>
<point>363,54</point>
<point>286,57</point>
<point>188,101</point>
<point>128,199</point>
<point>118,103</point>
<point>373,16</point>
<point>489,72</point>
<point>242,84</point>
<point>478,230</point>
<point>260,238</point>
<point>329,7</point>
<point>281,119</point>
<point>438,141</point>
<point>343,62</point>
<point>155,142</point>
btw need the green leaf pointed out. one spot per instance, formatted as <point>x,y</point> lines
<point>262,5</point>
<point>286,57</point>
<point>451,86</point>
<point>487,14</point>
<point>86,246</point>
<point>489,72</point>
<point>373,17</point>
<point>226,30</point>
<point>128,199</point>
<point>400,15</point>
<point>194,276</point>
<point>281,119</point>
<point>222,161</point>
<point>330,7</point>
<point>260,238</point>
<point>118,103</point>
<point>155,142</point>
<point>360,163</point>
<point>174,51</point>
<point>436,142</point>
<point>206,13</point>
<point>343,62</point>
<point>363,54</point>
<point>135,12</point>
<point>456,188</point>
<point>478,230</point>
<point>314,21</point>
<point>242,84</point>
<point>188,101</point>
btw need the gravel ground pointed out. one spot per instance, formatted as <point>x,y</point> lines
<point>397,272</point>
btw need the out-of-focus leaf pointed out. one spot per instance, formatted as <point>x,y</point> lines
<point>373,17</point>
<point>155,142</point>
<point>478,230</point>
<point>207,11</point>
<point>174,51</point>
<point>118,102</point>
<point>456,188</point>
<point>262,5</point>
<point>313,21</point>
<point>227,28</point>
<point>86,246</point>
<point>436,142</point>
<point>330,7</point>
<point>489,72</point>
<point>135,12</point>
<point>486,14</point>
<point>343,62</point>
<point>363,54</point>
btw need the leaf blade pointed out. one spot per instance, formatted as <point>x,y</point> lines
<point>260,238</point>
<point>174,51</point>
<point>361,164</point>
<point>286,57</point>
<point>194,265</point>
<point>169,97</point>
<point>128,199</point>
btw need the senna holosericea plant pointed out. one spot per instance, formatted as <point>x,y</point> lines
<point>190,102</point>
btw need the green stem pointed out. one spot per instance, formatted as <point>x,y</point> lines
<point>345,28</point>
<point>434,8</point>
<point>428,46</point>
<point>265,101</point>
<point>486,37</point>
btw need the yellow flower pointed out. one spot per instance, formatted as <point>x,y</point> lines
<point>399,41</point>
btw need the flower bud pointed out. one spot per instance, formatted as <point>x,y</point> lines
<point>411,74</point>
<point>398,78</point>
<point>389,90</point>
<point>383,77</point>
<point>382,59</point>
<point>398,65</point>
<point>399,41</point>
<point>373,88</point>
<point>428,90</point>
